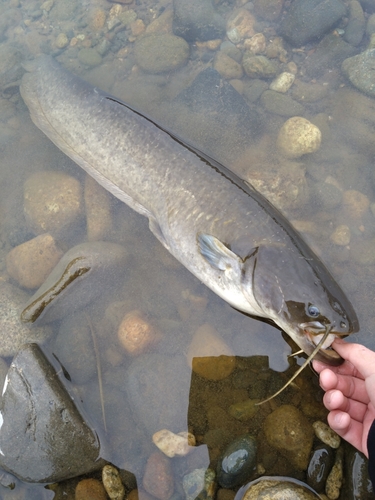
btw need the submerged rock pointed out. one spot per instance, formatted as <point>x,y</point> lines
<point>272,488</point>
<point>197,20</point>
<point>43,436</point>
<point>237,464</point>
<point>359,70</point>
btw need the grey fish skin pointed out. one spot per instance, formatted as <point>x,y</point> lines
<point>221,229</point>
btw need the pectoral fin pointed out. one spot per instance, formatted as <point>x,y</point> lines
<point>218,255</point>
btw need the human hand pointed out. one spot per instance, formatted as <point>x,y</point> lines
<point>350,392</point>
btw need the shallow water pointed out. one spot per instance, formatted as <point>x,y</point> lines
<point>154,282</point>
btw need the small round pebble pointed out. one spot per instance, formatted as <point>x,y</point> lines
<point>158,476</point>
<point>61,41</point>
<point>172,444</point>
<point>282,82</point>
<point>326,434</point>
<point>136,334</point>
<point>90,489</point>
<point>112,483</point>
<point>297,137</point>
<point>52,202</point>
<point>240,25</point>
<point>341,235</point>
<point>31,262</point>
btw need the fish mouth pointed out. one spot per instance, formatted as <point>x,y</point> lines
<point>313,333</point>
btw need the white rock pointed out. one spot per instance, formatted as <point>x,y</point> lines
<point>282,82</point>
<point>174,444</point>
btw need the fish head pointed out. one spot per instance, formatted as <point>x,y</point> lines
<point>298,293</point>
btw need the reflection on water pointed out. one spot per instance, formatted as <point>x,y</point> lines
<point>129,353</point>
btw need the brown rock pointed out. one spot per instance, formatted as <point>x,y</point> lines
<point>209,355</point>
<point>97,20</point>
<point>139,495</point>
<point>90,489</point>
<point>136,334</point>
<point>52,202</point>
<point>98,210</point>
<point>158,477</point>
<point>355,204</point>
<point>289,431</point>
<point>31,262</point>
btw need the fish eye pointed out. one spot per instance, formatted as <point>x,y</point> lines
<point>313,311</point>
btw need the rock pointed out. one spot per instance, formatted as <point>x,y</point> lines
<point>10,64</point>
<point>272,488</point>
<point>269,10</point>
<point>227,67</point>
<point>326,434</point>
<point>281,104</point>
<point>158,476</point>
<point>357,482</point>
<point>98,210</point>
<point>61,41</point>
<point>36,399</point>
<point>75,350</point>
<point>136,334</point>
<point>112,483</point>
<point>282,82</point>
<point>52,202</point>
<point>370,26</point>
<point>256,44</point>
<point>237,464</point>
<point>329,53</point>
<point>200,483</point>
<point>244,410</point>
<point>341,235</point>
<point>13,333</point>
<point>308,92</point>
<point>161,53</point>
<point>298,137</point>
<point>63,10</point>
<point>197,20</point>
<point>355,29</point>
<point>355,204</point>
<point>209,356</point>
<point>240,25</point>
<point>90,489</point>
<point>336,476</point>
<point>253,89</point>
<point>90,57</point>
<point>97,19</point>
<point>359,70</point>
<point>288,431</point>
<point>31,262</point>
<point>310,19</point>
<point>163,384</point>
<point>258,66</point>
<point>320,465</point>
<point>172,444</point>
<point>74,282</point>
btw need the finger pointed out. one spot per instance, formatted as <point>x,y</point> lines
<point>348,429</point>
<point>351,387</point>
<point>345,369</point>
<point>335,400</point>
<point>359,356</point>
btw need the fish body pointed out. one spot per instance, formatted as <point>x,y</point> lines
<point>221,229</point>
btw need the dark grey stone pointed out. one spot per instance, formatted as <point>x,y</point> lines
<point>237,464</point>
<point>320,465</point>
<point>281,104</point>
<point>197,20</point>
<point>310,19</point>
<point>355,28</point>
<point>357,481</point>
<point>330,53</point>
<point>359,70</point>
<point>43,437</point>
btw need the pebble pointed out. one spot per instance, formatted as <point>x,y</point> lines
<point>357,483</point>
<point>31,262</point>
<point>90,489</point>
<point>98,210</point>
<point>161,53</point>
<point>112,483</point>
<point>208,355</point>
<point>97,19</point>
<point>61,41</point>
<point>272,488</point>
<point>355,29</point>
<point>52,202</point>
<point>197,20</point>
<point>341,235</point>
<point>308,92</point>
<point>258,66</point>
<point>244,410</point>
<point>172,444</point>
<point>200,483</point>
<point>320,465</point>
<point>158,476</point>
<point>136,334</point>
<point>256,44</point>
<point>282,82</point>
<point>288,431</point>
<point>14,333</point>
<point>330,52</point>
<point>326,434</point>
<point>237,463</point>
<point>269,10</point>
<point>355,204</point>
<point>298,137</point>
<point>227,67</point>
<point>336,476</point>
<point>281,104</point>
<point>359,70</point>
<point>240,25</point>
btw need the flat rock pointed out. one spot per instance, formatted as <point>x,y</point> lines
<point>197,20</point>
<point>43,437</point>
<point>330,53</point>
<point>359,70</point>
<point>161,53</point>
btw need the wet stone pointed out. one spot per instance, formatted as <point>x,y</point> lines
<point>321,463</point>
<point>357,482</point>
<point>90,489</point>
<point>197,20</point>
<point>359,70</point>
<point>58,443</point>
<point>14,333</point>
<point>112,483</point>
<point>158,477</point>
<point>298,137</point>
<point>280,104</point>
<point>160,53</point>
<point>237,464</point>
<point>336,476</point>
<point>271,488</point>
<point>200,483</point>
<point>258,66</point>
<point>355,29</point>
<point>326,434</point>
<point>329,53</point>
